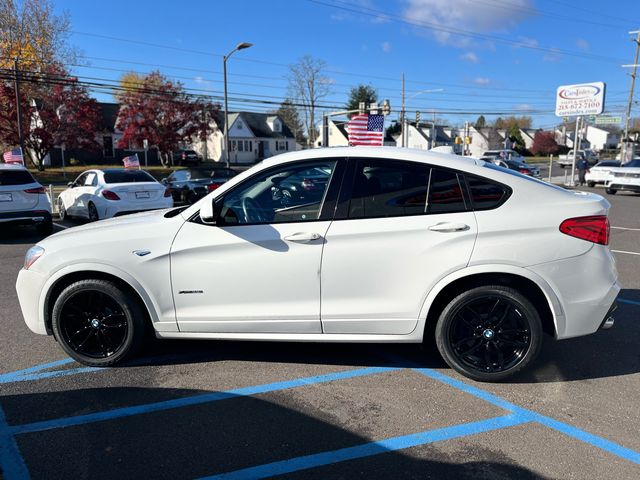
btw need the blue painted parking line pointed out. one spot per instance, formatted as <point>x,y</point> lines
<point>578,434</point>
<point>371,449</point>
<point>193,400</point>
<point>11,462</point>
<point>40,372</point>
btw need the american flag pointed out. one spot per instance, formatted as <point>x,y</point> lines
<point>131,161</point>
<point>366,129</point>
<point>14,156</point>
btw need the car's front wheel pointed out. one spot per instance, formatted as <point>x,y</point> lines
<point>92,212</point>
<point>62,211</point>
<point>97,323</point>
<point>489,333</point>
<point>611,191</point>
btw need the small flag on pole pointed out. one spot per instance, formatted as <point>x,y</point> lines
<point>366,129</point>
<point>131,161</point>
<point>14,156</point>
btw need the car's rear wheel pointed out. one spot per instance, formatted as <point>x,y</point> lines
<point>62,212</point>
<point>489,333</point>
<point>96,323</point>
<point>92,212</point>
<point>611,191</point>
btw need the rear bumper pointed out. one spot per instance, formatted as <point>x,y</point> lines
<point>27,217</point>
<point>113,210</point>
<point>623,186</point>
<point>586,287</point>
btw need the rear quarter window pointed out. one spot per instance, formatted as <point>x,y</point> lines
<point>16,177</point>
<point>486,194</point>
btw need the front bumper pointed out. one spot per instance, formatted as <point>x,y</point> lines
<point>624,186</point>
<point>29,287</point>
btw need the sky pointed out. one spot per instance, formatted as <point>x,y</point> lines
<point>460,58</point>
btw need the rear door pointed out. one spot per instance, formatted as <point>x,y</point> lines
<point>13,186</point>
<point>399,229</point>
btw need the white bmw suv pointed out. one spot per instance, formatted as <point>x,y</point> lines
<point>338,245</point>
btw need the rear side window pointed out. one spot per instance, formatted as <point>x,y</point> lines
<point>445,192</point>
<point>127,176</point>
<point>16,177</point>
<point>486,194</point>
<point>388,188</point>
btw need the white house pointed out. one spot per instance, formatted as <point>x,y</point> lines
<point>425,136</point>
<point>601,139</point>
<point>252,137</point>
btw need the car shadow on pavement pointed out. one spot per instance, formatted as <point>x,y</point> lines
<point>19,235</point>
<point>606,353</point>
<point>226,436</point>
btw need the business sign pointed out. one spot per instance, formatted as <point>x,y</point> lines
<point>583,99</point>
<point>608,120</point>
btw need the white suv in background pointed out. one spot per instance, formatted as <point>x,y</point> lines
<point>23,200</point>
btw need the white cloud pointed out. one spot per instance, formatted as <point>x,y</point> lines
<point>527,42</point>
<point>582,44</point>
<point>479,17</point>
<point>201,81</point>
<point>481,81</point>
<point>524,107</point>
<point>470,57</point>
<point>386,47</point>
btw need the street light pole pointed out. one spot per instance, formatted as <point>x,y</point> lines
<point>240,46</point>
<point>18,107</point>
<point>634,66</point>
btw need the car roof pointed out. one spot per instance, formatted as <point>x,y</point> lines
<point>12,166</point>
<point>393,153</point>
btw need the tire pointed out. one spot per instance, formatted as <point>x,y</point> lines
<point>611,191</point>
<point>45,228</point>
<point>62,212</point>
<point>474,321</point>
<point>92,212</point>
<point>591,184</point>
<point>96,323</point>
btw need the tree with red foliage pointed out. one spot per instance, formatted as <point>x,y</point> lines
<point>56,109</point>
<point>160,111</point>
<point>544,143</point>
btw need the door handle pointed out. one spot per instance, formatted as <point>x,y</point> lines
<point>449,227</point>
<point>302,237</point>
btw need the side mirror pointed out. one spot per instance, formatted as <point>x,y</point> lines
<point>70,184</point>
<point>209,213</point>
<point>164,181</point>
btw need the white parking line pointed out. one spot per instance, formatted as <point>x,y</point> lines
<point>61,226</point>
<point>628,253</point>
<point>624,228</point>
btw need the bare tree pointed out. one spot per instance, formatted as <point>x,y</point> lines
<point>307,85</point>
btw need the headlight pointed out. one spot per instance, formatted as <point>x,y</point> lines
<point>33,254</point>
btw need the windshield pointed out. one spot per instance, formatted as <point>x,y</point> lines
<point>632,164</point>
<point>127,176</point>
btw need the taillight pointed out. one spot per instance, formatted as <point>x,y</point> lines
<point>36,190</point>
<point>167,192</point>
<point>592,229</point>
<point>525,171</point>
<point>307,184</point>
<point>213,186</point>
<point>109,195</point>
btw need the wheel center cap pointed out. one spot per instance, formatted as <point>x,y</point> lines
<point>488,334</point>
<point>95,323</point>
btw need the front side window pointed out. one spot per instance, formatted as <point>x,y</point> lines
<point>388,188</point>
<point>290,193</point>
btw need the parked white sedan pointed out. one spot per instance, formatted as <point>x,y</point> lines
<point>382,245</point>
<point>599,173</point>
<point>98,194</point>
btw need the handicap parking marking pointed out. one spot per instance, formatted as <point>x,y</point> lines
<point>11,461</point>
<point>40,372</point>
<point>370,449</point>
<point>193,400</point>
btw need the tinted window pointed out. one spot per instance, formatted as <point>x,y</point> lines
<point>445,192</point>
<point>486,194</point>
<point>632,164</point>
<point>291,193</point>
<point>127,176</point>
<point>180,176</point>
<point>388,188</point>
<point>15,177</point>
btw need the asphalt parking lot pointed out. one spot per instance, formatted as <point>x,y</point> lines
<point>257,410</point>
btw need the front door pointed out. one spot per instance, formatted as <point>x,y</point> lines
<point>258,269</point>
<point>388,245</point>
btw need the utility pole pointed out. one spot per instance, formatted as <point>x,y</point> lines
<point>18,105</point>
<point>403,116</point>
<point>634,67</point>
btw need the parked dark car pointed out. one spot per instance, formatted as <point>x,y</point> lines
<point>189,185</point>
<point>186,157</point>
<point>304,186</point>
<point>521,167</point>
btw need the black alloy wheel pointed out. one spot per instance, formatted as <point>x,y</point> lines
<point>97,323</point>
<point>92,212</point>
<point>489,333</point>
